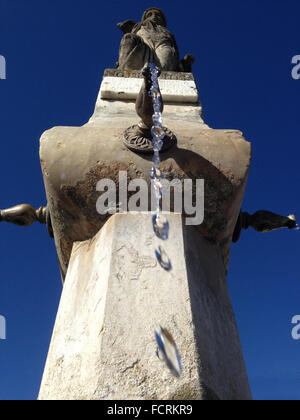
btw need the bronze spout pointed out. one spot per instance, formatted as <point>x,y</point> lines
<point>144,103</point>
<point>25,215</point>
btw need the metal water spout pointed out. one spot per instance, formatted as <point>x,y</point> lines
<point>26,215</point>
<point>138,138</point>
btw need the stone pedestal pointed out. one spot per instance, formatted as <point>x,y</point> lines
<point>115,294</point>
<point>74,159</point>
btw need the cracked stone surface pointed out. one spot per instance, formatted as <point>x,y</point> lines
<point>115,294</point>
<point>220,157</point>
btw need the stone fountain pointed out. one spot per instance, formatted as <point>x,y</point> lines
<point>114,291</point>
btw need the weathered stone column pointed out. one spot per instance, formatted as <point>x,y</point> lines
<point>115,294</point>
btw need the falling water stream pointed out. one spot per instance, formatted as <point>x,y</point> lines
<point>167,349</point>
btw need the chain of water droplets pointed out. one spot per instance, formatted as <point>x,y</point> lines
<point>167,349</point>
<point>159,221</point>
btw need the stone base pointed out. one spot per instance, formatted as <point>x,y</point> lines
<point>116,293</point>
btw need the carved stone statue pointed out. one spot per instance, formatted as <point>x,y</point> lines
<point>148,41</point>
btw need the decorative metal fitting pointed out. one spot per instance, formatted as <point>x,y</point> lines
<point>138,137</point>
<point>25,215</point>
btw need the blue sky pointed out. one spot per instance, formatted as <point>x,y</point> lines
<point>56,52</point>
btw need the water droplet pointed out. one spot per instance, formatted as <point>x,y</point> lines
<point>167,350</point>
<point>158,189</point>
<point>157,203</point>
<point>163,259</point>
<point>155,95</point>
<point>157,132</point>
<point>158,184</point>
<point>154,86</point>
<point>155,173</point>
<point>156,106</point>
<point>156,160</point>
<point>157,145</point>
<point>152,66</point>
<point>157,119</point>
<point>160,225</point>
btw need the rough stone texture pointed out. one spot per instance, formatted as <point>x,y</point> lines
<point>74,159</point>
<point>220,157</point>
<point>106,109</point>
<point>115,294</point>
<point>128,88</point>
<point>168,75</point>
